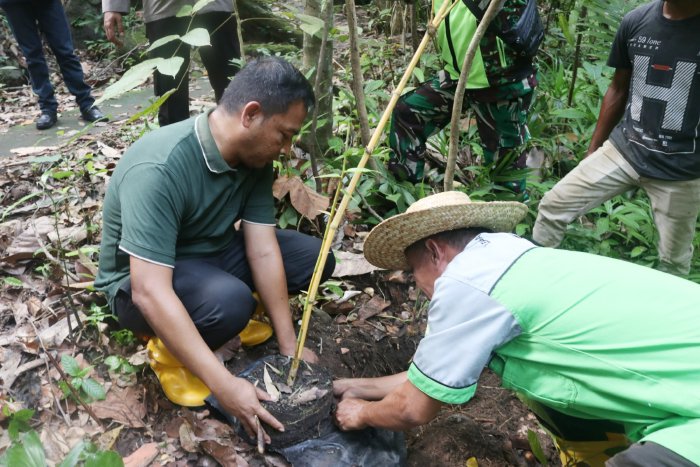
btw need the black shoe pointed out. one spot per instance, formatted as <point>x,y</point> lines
<point>46,120</point>
<point>93,114</point>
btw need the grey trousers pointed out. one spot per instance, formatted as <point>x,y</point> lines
<point>605,174</point>
<point>646,455</point>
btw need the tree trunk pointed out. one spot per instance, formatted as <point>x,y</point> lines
<point>318,56</point>
<point>357,78</point>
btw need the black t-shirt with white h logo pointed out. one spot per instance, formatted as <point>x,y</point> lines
<point>659,133</point>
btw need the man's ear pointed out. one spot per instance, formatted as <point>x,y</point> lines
<point>251,111</point>
<point>433,250</point>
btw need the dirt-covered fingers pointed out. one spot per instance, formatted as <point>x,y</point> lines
<point>267,417</point>
<point>262,395</point>
<point>309,355</point>
<point>252,423</point>
<point>341,387</point>
<point>348,414</point>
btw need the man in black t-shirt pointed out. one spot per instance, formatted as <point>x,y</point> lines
<point>648,133</point>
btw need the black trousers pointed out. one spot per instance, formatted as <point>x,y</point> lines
<point>30,20</point>
<point>217,291</point>
<point>216,58</point>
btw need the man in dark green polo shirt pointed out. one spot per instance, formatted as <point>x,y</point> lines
<point>173,265</point>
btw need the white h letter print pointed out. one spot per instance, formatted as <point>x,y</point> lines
<point>675,97</point>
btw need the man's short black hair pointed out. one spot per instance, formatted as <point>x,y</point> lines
<point>271,81</point>
<point>457,238</point>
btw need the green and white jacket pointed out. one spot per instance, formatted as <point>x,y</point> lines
<point>588,336</point>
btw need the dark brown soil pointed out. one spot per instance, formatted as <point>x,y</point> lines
<point>492,427</point>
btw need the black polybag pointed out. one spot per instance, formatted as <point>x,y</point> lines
<point>370,447</point>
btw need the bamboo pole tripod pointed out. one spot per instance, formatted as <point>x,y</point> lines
<point>338,213</point>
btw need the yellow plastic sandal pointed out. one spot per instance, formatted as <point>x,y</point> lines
<point>592,453</point>
<point>179,384</point>
<point>256,332</point>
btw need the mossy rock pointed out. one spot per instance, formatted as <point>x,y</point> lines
<point>11,75</point>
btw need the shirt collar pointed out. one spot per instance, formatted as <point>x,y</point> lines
<point>212,157</point>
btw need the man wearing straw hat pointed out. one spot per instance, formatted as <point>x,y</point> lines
<point>586,341</point>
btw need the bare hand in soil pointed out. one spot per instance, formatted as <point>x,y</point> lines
<point>348,414</point>
<point>242,400</point>
<point>307,355</point>
<point>369,389</point>
<point>342,388</point>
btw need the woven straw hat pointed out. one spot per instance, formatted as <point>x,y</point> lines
<point>386,243</point>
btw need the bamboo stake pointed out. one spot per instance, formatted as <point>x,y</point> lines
<point>340,211</point>
<point>494,7</point>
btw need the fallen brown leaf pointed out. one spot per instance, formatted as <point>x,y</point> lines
<point>309,395</point>
<point>399,277</point>
<point>188,440</point>
<point>304,198</point>
<point>123,406</point>
<point>143,456</point>
<point>29,150</point>
<point>351,264</point>
<point>224,454</point>
<point>373,307</point>
<point>109,151</point>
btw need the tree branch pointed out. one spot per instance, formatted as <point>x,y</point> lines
<point>494,7</point>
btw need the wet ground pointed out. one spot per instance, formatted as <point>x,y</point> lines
<point>22,137</point>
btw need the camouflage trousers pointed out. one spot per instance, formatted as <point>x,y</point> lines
<point>501,117</point>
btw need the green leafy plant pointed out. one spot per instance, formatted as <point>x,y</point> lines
<point>87,454</point>
<point>123,337</point>
<point>12,282</point>
<point>119,364</point>
<point>98,314</point>
<point>89,389</point>
<point>536,448</point>
<point>26,449</point>
<point>18,421</point>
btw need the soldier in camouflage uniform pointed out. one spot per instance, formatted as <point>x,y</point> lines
<point>499,91</point>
